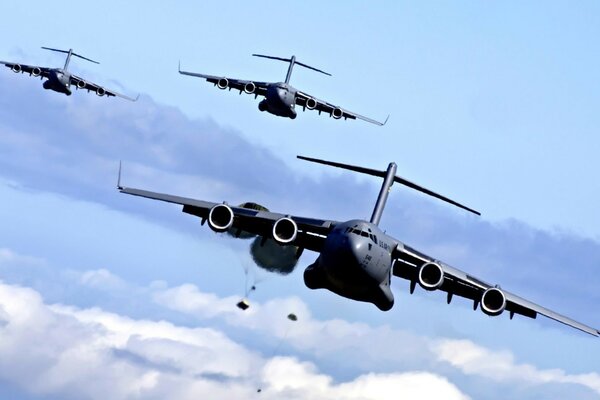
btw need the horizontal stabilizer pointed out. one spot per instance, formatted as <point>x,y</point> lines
<point>70,52</point>
<point>398,179</point>
<point>293,60</point>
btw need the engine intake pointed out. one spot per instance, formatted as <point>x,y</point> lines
<point>16,68</point>
<point>249,87</point>
<point>311,103</point>
<point>36,71</point>
<point>285,230</point>
<point>220,218</point>
<point>493,302</point>
<point>337,113</point>
<point>81,84</point>
<point>100,91</point>
<point>223,83</point>
<point>431,276</point>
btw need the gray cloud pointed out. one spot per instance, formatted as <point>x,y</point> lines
<point>72,147</point>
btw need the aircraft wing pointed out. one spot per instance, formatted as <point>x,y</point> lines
<point>32,70</point>
<point>81,83</point>
<point>311,232</point>
<point>456,282</point>
<point>312,103</point>
<point>260,88</point>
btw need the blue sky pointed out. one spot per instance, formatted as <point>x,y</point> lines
<point>493,105</point>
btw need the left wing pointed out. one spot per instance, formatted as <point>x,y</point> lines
<point>81,83</point>
<point>311,233</point>
<point>312,103</point>
<point>419,268</point>
<point>243,85</point>
<point>32,70</point>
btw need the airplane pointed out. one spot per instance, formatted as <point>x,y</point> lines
<point>281,98</point>
<point>356,258</point>
<point>60,79</point>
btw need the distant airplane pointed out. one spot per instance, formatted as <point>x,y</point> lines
<point>356,258</point>
<point>280,97</point>
<point>60,79</point>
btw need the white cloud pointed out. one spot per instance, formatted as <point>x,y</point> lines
<point>9,257</point>
<point>501,366</point>
<point>89,353</point>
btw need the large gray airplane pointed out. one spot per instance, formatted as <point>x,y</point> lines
<point>356,258</point>
<point>60,79</point>
<point>281,98</point>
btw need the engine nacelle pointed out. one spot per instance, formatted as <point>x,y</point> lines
<point>285,230</point>
<point>493,302</point>
<point>311,103</point>
<point>337,113</point>
<point>222,83</point>
<point>249,87</point>
<point>431,276</point>
<point>81,84</point>
<point>16,68</point>
<point>100,91</point>
<point>36,71</point>
<point>220,218</point>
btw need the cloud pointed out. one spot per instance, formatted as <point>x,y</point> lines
<point>501,366</point>
<point>57,350</point>
<point>377,347</point>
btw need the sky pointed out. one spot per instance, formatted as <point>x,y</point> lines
<point>109,296</point>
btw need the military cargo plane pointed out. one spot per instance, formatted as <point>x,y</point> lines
<point>281,98</point>
<point>60,79</point>
<point>356,258</point>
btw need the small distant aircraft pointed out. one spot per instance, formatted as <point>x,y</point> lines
<point>60,79</point>
<point>356,258</point>
<point>280,97</point>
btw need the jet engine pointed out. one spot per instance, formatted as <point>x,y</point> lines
<point>81,84</point>
<point>222,83</point>
<point>493,302</point>
<point>100,91</point>
<point>36,71</point>
<point>285,230</point>
<point>220,218</point>
<point>16,68</point>
<point>337,113</point>
<point>431,276</point>
<point>249,87</point>
<point>311,103</point>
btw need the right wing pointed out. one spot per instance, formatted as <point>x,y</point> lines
<point>311,232</point>
<point>81,83</point>
<point>456,282</point>
<point>259,89</point>
<point>32,70</point>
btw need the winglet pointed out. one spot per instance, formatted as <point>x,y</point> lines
<point>179,66</point>
<point>119,178</point>
<point>386,120</point>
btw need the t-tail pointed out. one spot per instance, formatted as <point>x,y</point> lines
<point>292,62</point>
<point>389,177</point>
<point>69,53</point>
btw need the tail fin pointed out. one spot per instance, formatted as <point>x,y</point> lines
<point>292,62</point>
<point>390,177</point>
<point>69,54</point>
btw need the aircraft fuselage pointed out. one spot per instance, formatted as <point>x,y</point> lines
<point>355,263</point>
<point>280,100</point>
<point>59,81</point>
